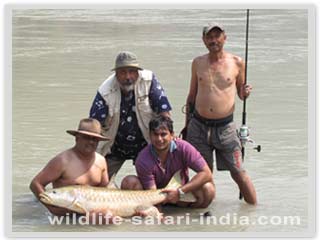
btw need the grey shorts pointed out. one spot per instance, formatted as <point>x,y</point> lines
<point>222,138</point>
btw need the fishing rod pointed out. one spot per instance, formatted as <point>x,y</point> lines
<point>244,130</point>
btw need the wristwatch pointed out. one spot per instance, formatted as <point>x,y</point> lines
<point>181,193</point>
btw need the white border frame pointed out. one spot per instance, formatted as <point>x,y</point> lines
<point>311,123</point>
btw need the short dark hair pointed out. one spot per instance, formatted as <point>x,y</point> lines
<point>161,122</point>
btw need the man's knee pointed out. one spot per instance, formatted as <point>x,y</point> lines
<point>205,195</point>
<point>240,177</point>
<point>209,193</point>
<point>131,182</point>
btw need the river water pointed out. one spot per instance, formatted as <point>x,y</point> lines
<point>61,56</point>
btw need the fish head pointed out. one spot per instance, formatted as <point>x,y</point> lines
<point>60,197</point>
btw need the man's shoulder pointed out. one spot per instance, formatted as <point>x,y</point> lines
<point>201,58</point>
<point>144,156</point>
<point>100,161</point>
<point>189,153</point>
<point>238,60</point>
<point>63,155</point>
<point>62,158</point>
<point>146,151</point>
<point>180,141</point>
<point>185,148</point>
<point>100,158</point>
<point>146,74</point>
<point>183,145</point>
<point>108,85</point>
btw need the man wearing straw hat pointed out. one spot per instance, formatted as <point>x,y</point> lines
<point>80,164</point>
<point>124,105</point>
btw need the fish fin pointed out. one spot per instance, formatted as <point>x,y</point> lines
<point>78,207</point>
<point>175,181</point>
<point>112,183</point>
<point>151,211</point>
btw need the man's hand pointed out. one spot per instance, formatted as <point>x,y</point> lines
<point>246,90</point>
<point>172,196</point>
<point>183,133</point>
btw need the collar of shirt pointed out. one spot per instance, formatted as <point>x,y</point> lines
<point>173,147</point>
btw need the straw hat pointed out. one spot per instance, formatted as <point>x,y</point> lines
<point>90,127</point>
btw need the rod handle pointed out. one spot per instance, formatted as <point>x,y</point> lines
<point>258,148</point>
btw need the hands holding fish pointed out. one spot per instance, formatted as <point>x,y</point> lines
<point>172,195</point>
<point>58,211</point>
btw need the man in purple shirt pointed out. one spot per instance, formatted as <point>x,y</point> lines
<point>159,161</point>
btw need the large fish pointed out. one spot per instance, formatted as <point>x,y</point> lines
<point>123,203</point>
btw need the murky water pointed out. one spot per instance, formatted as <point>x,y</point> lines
<point>60,57</point>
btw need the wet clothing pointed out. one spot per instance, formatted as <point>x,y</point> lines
<point>219,135</point>
<point>182,156</point>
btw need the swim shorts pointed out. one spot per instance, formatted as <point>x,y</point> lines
<point>219,136</point>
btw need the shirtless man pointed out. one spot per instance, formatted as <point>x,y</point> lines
<point>216,79</point>
<point>78,165</point>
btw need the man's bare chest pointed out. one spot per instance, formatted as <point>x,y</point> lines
<point>220,78</point>
<point>83,175</point>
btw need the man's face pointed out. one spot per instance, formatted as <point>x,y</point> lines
<point>127,77</point>
<point>214,40</point>
<point>160,139</point>
<point>86,144</point>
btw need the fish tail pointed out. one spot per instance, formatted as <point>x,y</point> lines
<point>175,183</point>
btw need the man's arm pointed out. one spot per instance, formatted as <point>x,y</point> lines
<point>144,174</point>
<point>50,173</point>
<point>198,180</point>
<point>99,109</point>
<point>104,178</point>
<point>194,160</point>
<point>195,183</point>
<point>242,89</point>
<point>191,99</point>
<point>158,100</point>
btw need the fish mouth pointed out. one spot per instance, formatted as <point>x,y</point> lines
<point>45,198</point>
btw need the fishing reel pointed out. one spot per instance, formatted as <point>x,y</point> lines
<point>244,136</point>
